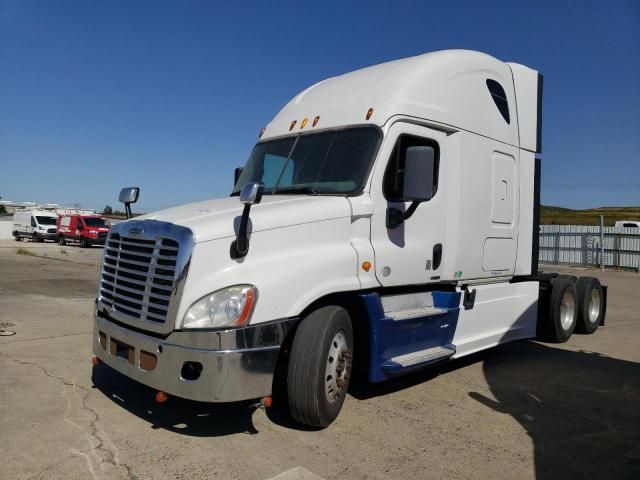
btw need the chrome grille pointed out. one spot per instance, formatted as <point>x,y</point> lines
<point>139,276</point>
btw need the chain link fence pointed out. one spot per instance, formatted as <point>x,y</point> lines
<point>583,245</point>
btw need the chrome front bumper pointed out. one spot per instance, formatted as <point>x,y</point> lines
<point>236,364</point>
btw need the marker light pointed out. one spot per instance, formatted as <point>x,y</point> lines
<point>366,266</point>
<point>304,123</point>
<point>369,113</point>
<point>262,130</point>
<point>315,121</point>
<point>161,397</point>
<point>293,124</point>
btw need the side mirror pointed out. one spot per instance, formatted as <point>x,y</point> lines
<point>79,226</point>
<point>236,175</point>
<point>251,193</point>
<point>418,174</point>
<point>129,195</point>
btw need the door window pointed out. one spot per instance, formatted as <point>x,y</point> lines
<point>393,182</point>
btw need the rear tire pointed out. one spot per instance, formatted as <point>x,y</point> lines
<point>61,240</point>
<point>590,304</point>
<point>16,236</point>
<point>562,314</point>
<point>320,366</point>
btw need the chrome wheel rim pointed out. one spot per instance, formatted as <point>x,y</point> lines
<point>567,310</point>
<point>594,305</point>
<point>338,367</point>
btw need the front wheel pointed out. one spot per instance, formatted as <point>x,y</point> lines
<point>61,240</point>
<point>16,236</point>
<point>36,238</point>
<point>83,243</point>
<point>320,366</point>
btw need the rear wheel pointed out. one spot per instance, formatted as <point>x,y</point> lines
<point>562,314</point>
<point>61,240</point>
<point>320,366</point>
<point>590,304</point>
<point>16,236</point>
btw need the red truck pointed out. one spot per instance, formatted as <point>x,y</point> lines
<point>85,229</point>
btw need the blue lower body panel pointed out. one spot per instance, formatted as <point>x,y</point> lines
<point>393,339</point>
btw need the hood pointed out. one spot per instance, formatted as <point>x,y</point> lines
<point>220,218</point>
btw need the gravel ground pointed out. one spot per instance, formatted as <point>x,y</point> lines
<point>522,410</point>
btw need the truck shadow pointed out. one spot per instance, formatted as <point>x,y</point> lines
<point>178,415</point>
<point>581,409</point>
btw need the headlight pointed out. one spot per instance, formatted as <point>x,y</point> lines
<point>229,307</point>
<point>92,231</point>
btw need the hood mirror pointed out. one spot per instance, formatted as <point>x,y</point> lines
<point>129,195</point>
<point>250,194</point>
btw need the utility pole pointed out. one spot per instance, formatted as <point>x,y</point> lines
<point>602,242</point>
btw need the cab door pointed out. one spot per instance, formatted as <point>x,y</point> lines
<point>413,251</point>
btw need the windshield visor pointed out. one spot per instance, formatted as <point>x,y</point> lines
<point>332,163</point>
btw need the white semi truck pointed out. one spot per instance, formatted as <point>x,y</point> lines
<point>386,220</point>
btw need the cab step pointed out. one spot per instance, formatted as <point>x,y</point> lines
<point>416,313</point>
<point>418,359</point>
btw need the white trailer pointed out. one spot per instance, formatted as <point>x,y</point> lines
<point>386,220</point>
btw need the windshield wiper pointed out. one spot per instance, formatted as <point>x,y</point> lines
<point>302,189</point>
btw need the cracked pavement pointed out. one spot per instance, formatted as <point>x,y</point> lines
<point>524,410</point>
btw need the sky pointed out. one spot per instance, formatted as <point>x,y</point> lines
<point>170,95</point>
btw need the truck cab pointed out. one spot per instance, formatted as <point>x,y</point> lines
<point>384,221</point>
<point>86,230</point>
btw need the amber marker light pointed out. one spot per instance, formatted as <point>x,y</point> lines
<point>248,307</point>
<point>304,123</point>
<point>315,121</point>
<point>369,113</point>
<point>161,397</point>
<point>262,130</point>
<point>293,124</point>
<point>267,402</point>
<point>366,266</point>
<point>96,361</point>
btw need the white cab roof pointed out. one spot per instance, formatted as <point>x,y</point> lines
<point>448,87</point>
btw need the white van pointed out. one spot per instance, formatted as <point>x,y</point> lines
<point>627,224</point>
<point>38,225</point>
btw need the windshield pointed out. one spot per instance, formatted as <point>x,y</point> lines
<point>333,162</point>
<point>95,222</point>
<point>46,220</point>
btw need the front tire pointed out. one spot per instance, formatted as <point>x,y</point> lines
<point>16,236</point>
<point>36,238</point>
<point>83,243</point>
<point>320,366</point>
<point>62,241</point>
